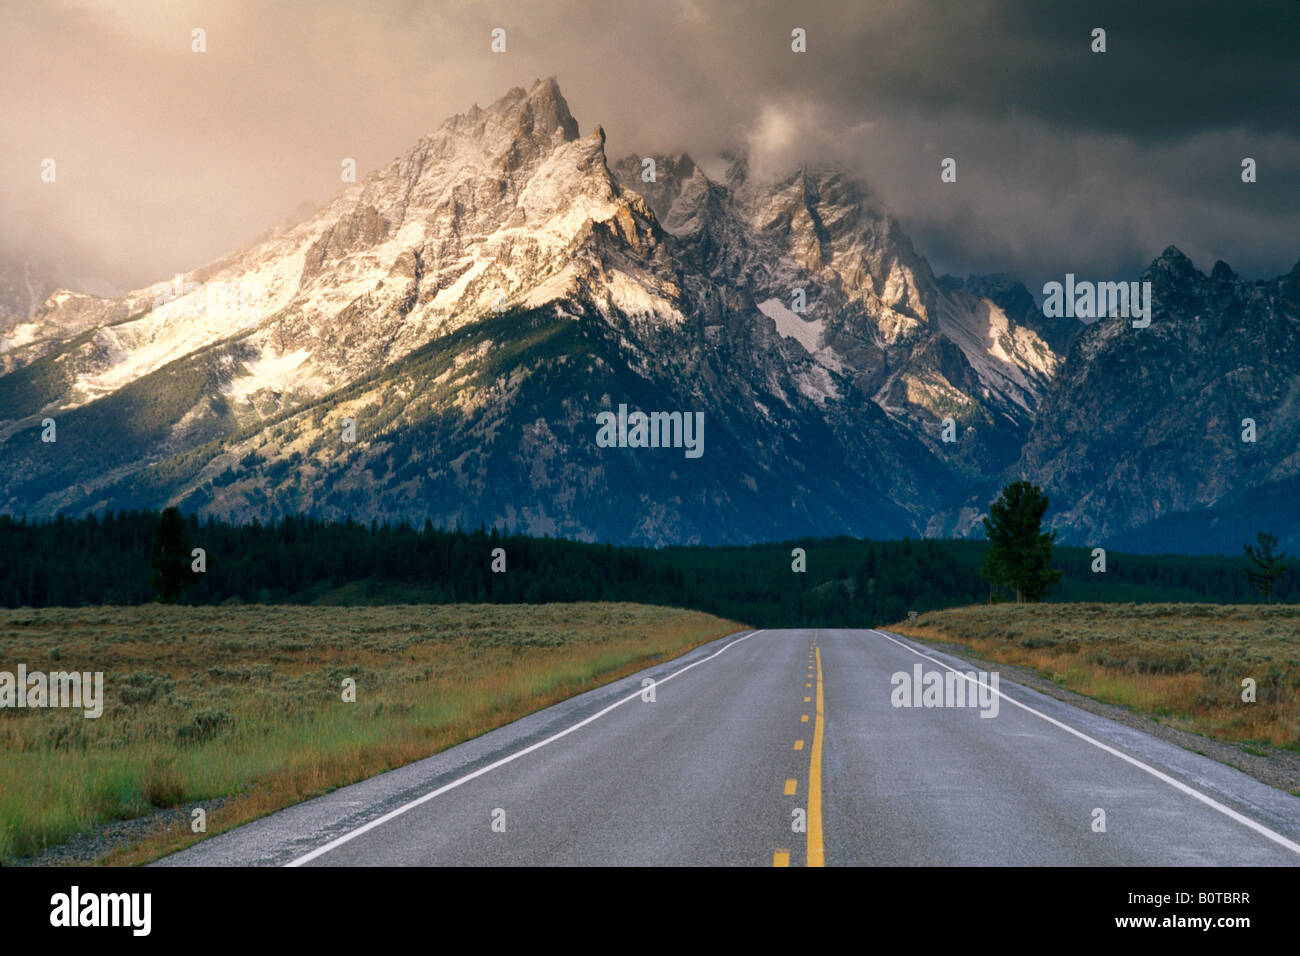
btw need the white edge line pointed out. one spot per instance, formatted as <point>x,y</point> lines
<point>1176,784</point>
<point>393,814</point>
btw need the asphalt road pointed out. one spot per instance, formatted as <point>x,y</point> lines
<point>791,747</point>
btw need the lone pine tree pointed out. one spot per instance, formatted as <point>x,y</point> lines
<point>169,558</point>
<point>1268,566</point>
<point>1020,553</point>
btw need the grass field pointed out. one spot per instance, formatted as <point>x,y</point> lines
<point>1183,663</point>
<point>204,702</point>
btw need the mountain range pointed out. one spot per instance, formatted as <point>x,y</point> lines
<point>437,341</point>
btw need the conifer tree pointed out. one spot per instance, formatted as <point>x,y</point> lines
<point>169,558</point>
<point>1268,567</point>
<point>1020,553</point>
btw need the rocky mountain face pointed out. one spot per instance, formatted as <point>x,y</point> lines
<point>1143,441</point>
<point>438,340</point>
<point>1010,295</point>
<point>875,318</point>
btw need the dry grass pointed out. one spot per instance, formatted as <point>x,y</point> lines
<point>247,701</point>
<point>1181,662</point>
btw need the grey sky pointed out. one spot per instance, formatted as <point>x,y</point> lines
<point>1067,160</point>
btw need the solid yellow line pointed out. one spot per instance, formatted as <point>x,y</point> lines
<point>790,786</point>
<point>816,853</point>
<point>798,745</point>
<point>781,858</point>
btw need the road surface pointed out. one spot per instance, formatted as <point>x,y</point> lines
<point>791,748</point>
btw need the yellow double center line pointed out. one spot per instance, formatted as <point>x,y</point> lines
<point>816,856</point>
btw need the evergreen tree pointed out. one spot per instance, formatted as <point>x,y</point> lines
<point>170,558</point>
<point>1020,553</point>
<point>1268,567</point>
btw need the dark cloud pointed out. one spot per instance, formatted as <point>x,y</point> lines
<point>1170,68</point>
<point>1067,160</point>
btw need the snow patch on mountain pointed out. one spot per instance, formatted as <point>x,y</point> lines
<point>788,323</point>
<point>270,370</point>
<point>636,299</point>
<point>1013,361</point>
<point>809,334</point>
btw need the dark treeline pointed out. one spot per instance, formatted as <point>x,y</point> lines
<point>298,560</point>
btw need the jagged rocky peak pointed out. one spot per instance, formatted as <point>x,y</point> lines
<point>539,112</point>
<point>820,218</point>
<point>663,180</point>
<point>834,227</point>
<point>514,164</point>
<point>1172,264</point>
<point>818,230</point>
<point>1222,272</point>
<point>539,118</point>
<point>498,147</point>
<point>550,110</point>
